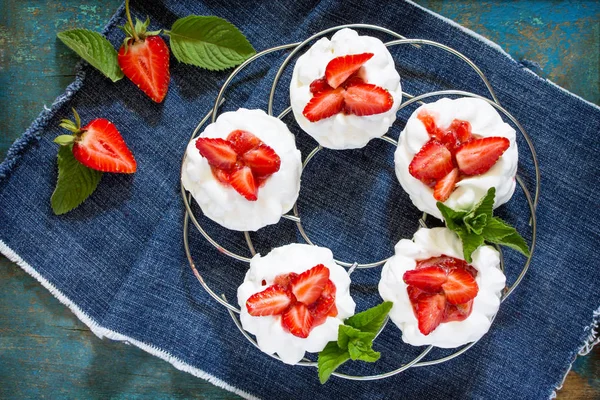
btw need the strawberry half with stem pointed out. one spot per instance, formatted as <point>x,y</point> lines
<point>144,58</point>
<point>98,145</point>
<point>367,99</point>
<point>272,301</point>
<point>477,156</point>
<point>341,68</point>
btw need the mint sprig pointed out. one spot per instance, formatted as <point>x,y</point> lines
<point>478,225</point>
<point>355,340</point>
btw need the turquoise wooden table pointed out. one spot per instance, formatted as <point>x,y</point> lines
<point>46,352</point>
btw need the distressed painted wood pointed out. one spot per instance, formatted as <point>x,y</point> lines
<point>46,352</point>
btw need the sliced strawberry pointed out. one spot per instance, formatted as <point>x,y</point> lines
<point>367,99</point>
<point>243,182</point>
<point>413,294</point>
<point>284,280</point>
<point>429,311</point>
<point>241,141</point>
<point>333,311</point>
<point>308,286</point>
<point>462,129</point>
<point>450,140</point>
<point>324,105</point>
<point>298,320</point>
<point>321,309</point>
<point>218,152</point>
<point>319,85</point>
<point>430,125</point>
<point>428,279</point>
<point>433,161</point>
<point>353,80</point>
<point>100,146</point>
<point>271,301</point>
<point>146,63</point>
<point>460,286</point>
<point>340,68</point>
<point>479,155</point>
<point>262,160</point>
<point>470,269</point>
<point>445,186</point>
<point>457,312</point>
<point>222,176</point>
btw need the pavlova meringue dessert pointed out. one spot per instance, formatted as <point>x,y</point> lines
<point>243,170</point>
<point>438,298</point>
<point>453,151</point>
<point>345,91</point>
<point>294,299</point>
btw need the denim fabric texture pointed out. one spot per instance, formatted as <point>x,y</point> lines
<point>119,257</point>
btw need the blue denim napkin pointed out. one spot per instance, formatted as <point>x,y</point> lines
<point>118,260</point>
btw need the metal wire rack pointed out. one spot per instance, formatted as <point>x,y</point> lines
<point>532,201</point>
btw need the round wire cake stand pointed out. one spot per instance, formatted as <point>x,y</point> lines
<point>532,201</point>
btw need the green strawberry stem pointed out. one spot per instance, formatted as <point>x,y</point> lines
<point>135,36</point>
<point>74,127</point>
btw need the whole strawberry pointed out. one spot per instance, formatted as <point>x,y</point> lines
<point>144,58</point>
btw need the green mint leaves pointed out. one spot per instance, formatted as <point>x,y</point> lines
<point>355,340</point>
<point>478,225</point>
<point>95,49</point>
<point>75,181</point>
<point>209,42</point>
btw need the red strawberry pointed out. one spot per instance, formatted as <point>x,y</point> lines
<point>413,294</point>
<point>298,320</point>
<point>340,68</point>
<point>430,125</point>
<point>243,182</point>
<point>479,155</point>
<point>319,85</point>
<point>367,99</point>
<point>460,286</point>
<point>284,280</point>
<point>271,301</point>
<point>324,105</point>
<point>462,129</point>
<point>457,312</point>
<point>429,279</point>
<point>353,80</point>
<point>262,160</point>
<point>433,161</point>
<point>445,186</point>
<point>308,286</point>
<point>321,309</point>
<point>429,311</point>
<point>100,146</point>
<point>218,152</point>
<point>243,141</point>
<point>450,140</point>
<point>222,176</point>
<point>145,61</point>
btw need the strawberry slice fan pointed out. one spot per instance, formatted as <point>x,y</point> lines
<point>409,99</point>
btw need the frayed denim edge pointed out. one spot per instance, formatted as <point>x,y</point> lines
<point>592,340</point>
<point>33,134</point>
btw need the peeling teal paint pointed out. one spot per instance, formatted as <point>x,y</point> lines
<point>537,21</point>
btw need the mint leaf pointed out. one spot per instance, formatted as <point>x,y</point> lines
<point>486,204</point>
<point>453,218</point>
<point>371,319</point>
<point>362,351</point>
<point>475,224</point>
<point>512,239</point>
<point>209,42</point>
<point>496,229</point>
<point>330,358</point>
<point>75,182</point>
<point>95,49</point>
<point>347,333</point>
<point>470,242</point>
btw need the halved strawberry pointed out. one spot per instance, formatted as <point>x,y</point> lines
<point>222,176</point>
<point>460,286</point>
<point>146,63</point>
<point>457,312</point>
<point>242,141</point>
<point>413,294</point>
<point>445,186</point>
<point>462,129</point>
<point>324,105</point>
<point>242,181</point>
<point>367,99</point>
<point>218,152</point>
<point>433,161</point>
<point>100,146</point>
<point>284,280</point>
<point>271,301</point>
<point>353,80</point>
<point>429,279</point>
<point>479,155</point>
<point>430,125</point>
<point>319,85</point>
<point>298,320</point>
<point>308,286</point>
<point>262,160</point>
<point>321,309</point>
<point>340,68</point>
<point>429,311</point>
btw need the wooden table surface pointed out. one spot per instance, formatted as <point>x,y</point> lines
<point>45,351</point>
